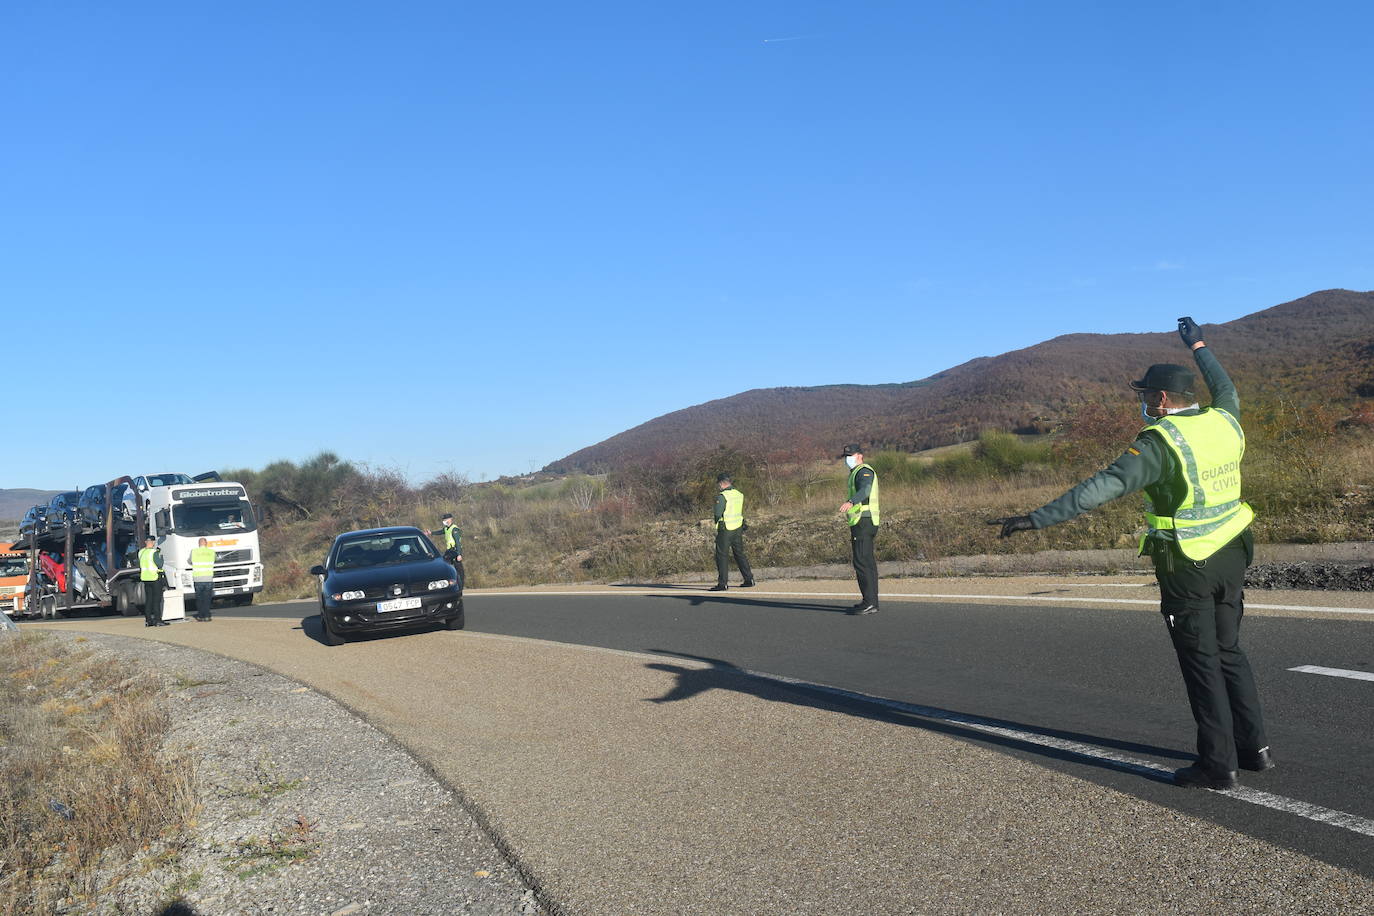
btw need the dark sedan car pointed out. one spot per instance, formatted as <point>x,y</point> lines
<point>386,579</point>
<point>61,510</point>
<point>33,520</point>
<point>90,509</point>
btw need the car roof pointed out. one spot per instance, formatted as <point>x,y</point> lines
<point>376,532</point>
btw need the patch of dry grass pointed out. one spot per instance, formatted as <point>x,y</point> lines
<point>85,785</point>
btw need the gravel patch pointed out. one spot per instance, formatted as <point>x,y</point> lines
<point>1329,576</point>
<point>306,809</point>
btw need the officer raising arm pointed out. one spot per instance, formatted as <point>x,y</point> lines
<point>1187,460</point>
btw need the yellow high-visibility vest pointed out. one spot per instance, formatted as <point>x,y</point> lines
<point>147,566</point>
<point>1209,447</point>
<point>733,517</point>
<point>202,563</point>
<point>857,511</point>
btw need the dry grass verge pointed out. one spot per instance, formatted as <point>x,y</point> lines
<point>85,785</point>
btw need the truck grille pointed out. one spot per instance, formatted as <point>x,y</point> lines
<point>233,556</point>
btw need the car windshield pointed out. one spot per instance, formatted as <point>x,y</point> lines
<point>168,480</point>
<point>230,517</point>
<point>65,499</point>
<point>382,550</point>
<point>13,566</point>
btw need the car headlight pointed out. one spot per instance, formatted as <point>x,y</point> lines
<point>440,583</point>
<point>347,596</point>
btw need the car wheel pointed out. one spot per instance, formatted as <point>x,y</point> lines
<point>330,637</point>
<point>457,622</point>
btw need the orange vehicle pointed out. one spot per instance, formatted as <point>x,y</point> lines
<point>14,575</point>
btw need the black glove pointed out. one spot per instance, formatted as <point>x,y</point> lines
<point>1013,524</point>
<point>1189,331</point>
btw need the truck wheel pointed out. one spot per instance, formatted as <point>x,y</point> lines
<point>47,607</point>
<point>124,602</point>
<point>243,600</point>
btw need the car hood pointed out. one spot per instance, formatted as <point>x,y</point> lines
<point>349,579</point>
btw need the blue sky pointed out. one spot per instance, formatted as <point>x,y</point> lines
<point>476,237</point>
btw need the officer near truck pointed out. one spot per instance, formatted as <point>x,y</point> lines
<point>150,574</point>
<point>1187,460</point>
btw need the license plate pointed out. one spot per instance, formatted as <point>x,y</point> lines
<point>399,604</point>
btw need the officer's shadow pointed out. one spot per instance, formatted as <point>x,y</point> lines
<point>697,600</point>
<point>723,675</point>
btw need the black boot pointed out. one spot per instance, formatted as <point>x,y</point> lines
<point>1195,777</point>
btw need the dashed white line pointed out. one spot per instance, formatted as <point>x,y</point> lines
<point>1335,672</point>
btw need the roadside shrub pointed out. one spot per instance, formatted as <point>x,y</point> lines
<point>1007,453</point>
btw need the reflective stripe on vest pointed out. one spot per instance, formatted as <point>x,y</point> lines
<point>451,542</point>
<point>147,566</point>
<point>202,563</point>
<point>857,512</point>
<point>1209,447</point>
<point>733,517</point>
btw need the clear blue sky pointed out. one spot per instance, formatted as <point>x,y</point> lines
<point>476,237</point>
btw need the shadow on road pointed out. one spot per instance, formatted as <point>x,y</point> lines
<point>313,627</point>
<point>723,675</point>
<point>776,603</point>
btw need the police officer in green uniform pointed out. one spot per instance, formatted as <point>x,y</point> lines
<point>150,574</point>
<point>453,545</point>
<point>729,513</point>
<point>1187,460</point>
<point>203,577</point>
<point>861,512</point>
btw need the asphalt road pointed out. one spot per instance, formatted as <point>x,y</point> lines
<point>1099,676</point>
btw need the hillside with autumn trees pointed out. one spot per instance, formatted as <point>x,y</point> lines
<point>1317,349</point>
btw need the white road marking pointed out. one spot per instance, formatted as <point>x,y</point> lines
<point>1342,819</point>
<point>1335,672</point>
<point>913,596</point>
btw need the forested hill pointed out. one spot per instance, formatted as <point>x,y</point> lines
<point>1319,347</point>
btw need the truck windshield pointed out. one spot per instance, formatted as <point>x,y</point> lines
<point>13,566</point>
<point>213,518</point>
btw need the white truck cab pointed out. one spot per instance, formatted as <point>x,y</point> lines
<point>181,511</point>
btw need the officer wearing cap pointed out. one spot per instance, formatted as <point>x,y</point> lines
<point>150,574</point>
<point>1187,460</point>
<point>730,527</point>
<point>861,512</point>
<point>453,545</point>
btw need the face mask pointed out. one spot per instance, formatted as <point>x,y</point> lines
<point>851,462</point>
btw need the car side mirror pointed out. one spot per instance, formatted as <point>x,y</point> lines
<point>317,570</point>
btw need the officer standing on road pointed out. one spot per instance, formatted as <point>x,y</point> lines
<point>203,577</point>
<point>150,574</point>
<point>1187,460</point>
<point>453,545</point>
<point>730,529</point>
<point>861,512</point>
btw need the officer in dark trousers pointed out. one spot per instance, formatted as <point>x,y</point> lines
<point>150,574</point>
<point>1187,460</point>
<point>861,512</point>
<point>730,534</point>
<point>453,545</point>
<point>203,577</point>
